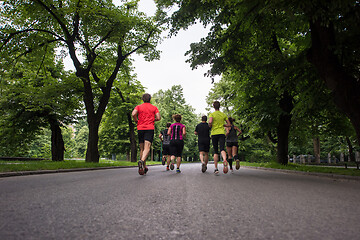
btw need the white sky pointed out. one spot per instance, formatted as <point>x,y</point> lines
<point>172,69</point>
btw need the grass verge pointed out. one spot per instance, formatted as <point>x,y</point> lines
<point>19,166</point>
<point>305,168</point>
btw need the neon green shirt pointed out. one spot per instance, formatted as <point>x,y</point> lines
<point>218,122</point>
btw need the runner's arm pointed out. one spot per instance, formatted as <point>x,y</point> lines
<point>184,132</point>
<point>228,124</point>
<point>134,115</point>
<point>227,131</point>
<point>239,130</point>
<point>169,131</point>
<point>157,116</point>
<point>210,122</point>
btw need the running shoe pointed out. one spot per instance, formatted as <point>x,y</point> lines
<point>167,168</point>
<point>237,164</point>
<point>216,171</point>
<point>141,167</point>
<point>172,165</point>
<point>146,170</point>
<point>203,167</point>
<point>178,170</point>
<point>225,169</point>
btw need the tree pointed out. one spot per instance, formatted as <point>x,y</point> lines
<point>117,132</point>
<point>97,35</point>
<point>37,93</point>
<point>271,37</point>
<point>324,33</point>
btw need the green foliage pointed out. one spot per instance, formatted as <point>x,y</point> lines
<point>34,92</point>
<point>81,139</point>
<point>260,48</point>
<point>97,35</point>
<point>170,102</point>
<point>114,129</point>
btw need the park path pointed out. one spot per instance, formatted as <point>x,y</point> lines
<point>120,204</point>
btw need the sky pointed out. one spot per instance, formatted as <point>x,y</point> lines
<point>172,69</point>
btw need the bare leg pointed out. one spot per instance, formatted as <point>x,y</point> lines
<point>206,158</point>
<point>229,152</point>
<point>201,155</point>
<point>146,151</point>
<point>141,149</point>
<point>168,160</point>
<point>223,154</point>
<point>172,158</point>
<point>216,159</point>
<point>178,162</point>
<point>234,151</point>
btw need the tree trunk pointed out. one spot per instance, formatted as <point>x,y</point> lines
<point>57,142</point>
<point>283,138</point>
<point>351,150</point>
<point>133,146</point>
<point>283,128</point>
<point>345,87</point>
<point>94,117</point>
<point>316,142</point>
<point>92,151</point>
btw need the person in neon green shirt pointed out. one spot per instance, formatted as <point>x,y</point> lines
<point>216,122</point>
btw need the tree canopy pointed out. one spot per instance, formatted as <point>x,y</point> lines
<point>97,35</point>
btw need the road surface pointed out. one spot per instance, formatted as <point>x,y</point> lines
<point>120,204</point>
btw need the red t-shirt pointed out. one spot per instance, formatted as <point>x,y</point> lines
<point>146,116</point>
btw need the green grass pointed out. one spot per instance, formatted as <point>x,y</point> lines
<point>304,168</point>
<point>18,166</point>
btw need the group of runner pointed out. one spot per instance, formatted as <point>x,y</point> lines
<point>220,129</point>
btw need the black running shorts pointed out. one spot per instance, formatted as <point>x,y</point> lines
<point>204,146</point>
<point>166,149</point>
<point>146,135</point>
<point>232,144</point>
<point>218,140</point>
<point>176,147</point>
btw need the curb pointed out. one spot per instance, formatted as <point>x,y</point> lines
<point>327,175</point>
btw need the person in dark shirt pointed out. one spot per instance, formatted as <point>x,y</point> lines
<point>202,130</point>
<point>165,139</point>
<point>232,134</point>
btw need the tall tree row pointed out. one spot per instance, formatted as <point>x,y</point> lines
<point>277,46</point>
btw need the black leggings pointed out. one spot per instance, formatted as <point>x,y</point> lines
<point>216,140</point>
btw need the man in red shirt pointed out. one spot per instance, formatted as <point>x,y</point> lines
<point>145,116</point>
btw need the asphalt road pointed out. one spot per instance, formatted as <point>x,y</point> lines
<point>120,204</point>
